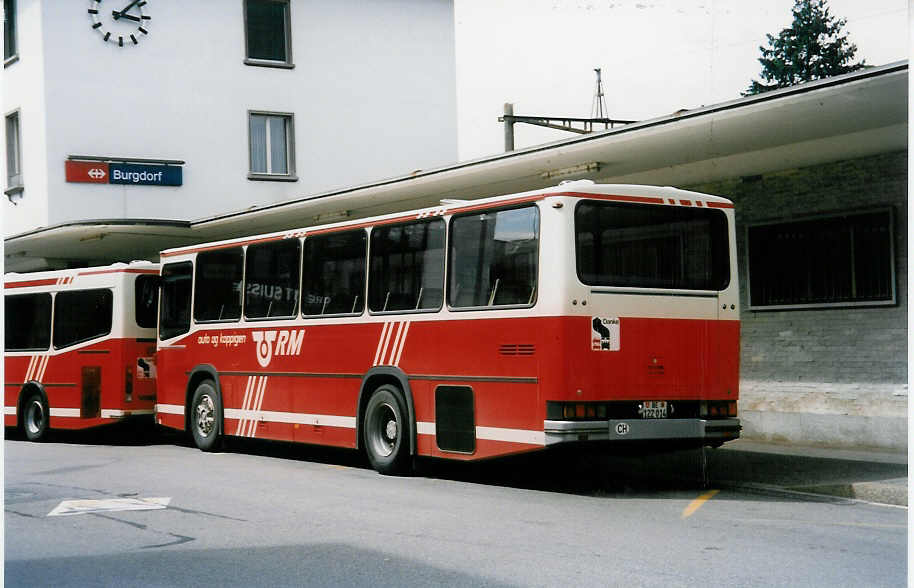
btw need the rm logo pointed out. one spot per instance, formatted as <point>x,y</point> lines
<point>287,343</point>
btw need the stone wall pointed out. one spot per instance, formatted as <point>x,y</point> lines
<point>831,376</point>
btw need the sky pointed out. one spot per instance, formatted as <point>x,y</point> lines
<point>657,56</point>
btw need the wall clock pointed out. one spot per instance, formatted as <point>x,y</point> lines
<point>122,22</point>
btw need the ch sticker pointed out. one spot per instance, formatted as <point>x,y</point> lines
<point>605,334</point>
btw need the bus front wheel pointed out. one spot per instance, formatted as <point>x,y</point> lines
<point>35,415</point>
<point>385,431</point>
<point>205,411</point>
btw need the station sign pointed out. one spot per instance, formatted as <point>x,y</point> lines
<point>145,175</point>
<point>93,172</point>
<point>99,172</point>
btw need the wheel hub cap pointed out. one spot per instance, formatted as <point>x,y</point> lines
<point>205,416</point>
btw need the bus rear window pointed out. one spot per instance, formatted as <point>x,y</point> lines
<point>650,246</point>
<point>82,315</point>
<point>27,322</point>
<point>146,295</point>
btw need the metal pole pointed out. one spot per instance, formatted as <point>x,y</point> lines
<point>509,126</point>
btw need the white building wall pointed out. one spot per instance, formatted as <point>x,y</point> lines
<point>24,90</point>
<point>373,93</point>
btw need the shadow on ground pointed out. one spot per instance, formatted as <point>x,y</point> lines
<point>588,470</point>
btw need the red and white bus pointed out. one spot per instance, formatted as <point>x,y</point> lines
<point>471,330</point>
<point>79,347</point>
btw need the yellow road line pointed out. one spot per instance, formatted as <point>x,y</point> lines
<point>698,503</point>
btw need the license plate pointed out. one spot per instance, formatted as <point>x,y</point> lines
<point>653,409</point>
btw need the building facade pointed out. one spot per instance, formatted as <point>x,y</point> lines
<point>224,105</point>
<point>824,274</point>
<point>272,135</point>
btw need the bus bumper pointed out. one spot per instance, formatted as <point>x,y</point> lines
<point>712,432</point>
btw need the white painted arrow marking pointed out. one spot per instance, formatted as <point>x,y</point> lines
<point>76,507</point>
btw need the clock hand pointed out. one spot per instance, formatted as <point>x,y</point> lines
<point>118,15</point>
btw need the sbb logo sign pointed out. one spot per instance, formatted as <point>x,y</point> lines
<point>287,343</point>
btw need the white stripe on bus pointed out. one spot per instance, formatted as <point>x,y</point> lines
<point>113,413</point>
<point>65,412</point>
<point>244,403</point>
<point>258,403</point>
<point>44,366</point>
<point>9,410</point>
<point>28,372</point>
<point>424,428</point>
<point>386,342</point>
<point>402,344</point>
<point>524,436</point>
<point>170,409</point>
<point>296,418</point>
<point>396,345</point>
<point>377,352</point>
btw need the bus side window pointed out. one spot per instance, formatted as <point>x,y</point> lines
<point>27,322</point>
<point>493,258</point>
<point>406,267</point>
<point>217,287</point>
<point>82,315</point>
<point>271,279</point>
<point>175,299</point>
<point>146,295</point>
<point>333,274</point>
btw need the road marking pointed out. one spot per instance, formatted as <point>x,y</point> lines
<point>75,507</point>
<point>698,503</point>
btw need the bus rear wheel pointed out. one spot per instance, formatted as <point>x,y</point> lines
<point>35,415</point>
<point>385,431</point>
<point>205,413</point>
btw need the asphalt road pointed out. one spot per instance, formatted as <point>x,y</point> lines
<point>275,514</point>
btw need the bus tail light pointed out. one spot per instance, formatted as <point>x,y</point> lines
<point>576,411</point>
<point>717,409</point>
<point>128,384</point>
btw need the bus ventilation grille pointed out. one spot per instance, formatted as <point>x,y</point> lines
<point>517,349</point>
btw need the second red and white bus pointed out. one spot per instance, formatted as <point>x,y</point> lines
<point>475,329</point>
<point>79,347</point>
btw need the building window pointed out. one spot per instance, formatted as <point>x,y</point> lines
<point>267,33</point>
<point>271,141</point>
<point>837,260</point>
<point>13,155</point>
<point>10,46</point>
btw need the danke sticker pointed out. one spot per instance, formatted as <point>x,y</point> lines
<point>605,334</point>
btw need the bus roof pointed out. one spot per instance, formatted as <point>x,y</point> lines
<point>656,195</point>
<point>140,266</point>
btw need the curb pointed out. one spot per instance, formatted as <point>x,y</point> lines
<point>870,492</point>
<point>875,492</point>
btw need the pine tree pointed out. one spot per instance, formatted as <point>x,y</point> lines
<point>812,48</point>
